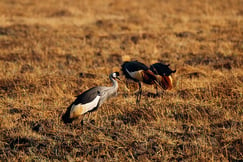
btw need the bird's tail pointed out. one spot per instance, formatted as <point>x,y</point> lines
<point>66,116</point>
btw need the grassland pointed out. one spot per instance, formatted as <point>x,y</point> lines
<point>51,51</point>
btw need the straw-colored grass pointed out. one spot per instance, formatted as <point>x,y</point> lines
<point>51,51</point>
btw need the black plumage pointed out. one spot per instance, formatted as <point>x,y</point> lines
<point>132,66</point>
<point>87,96</point>
<point>161,69</point>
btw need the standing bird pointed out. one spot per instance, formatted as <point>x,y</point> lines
<point>138,72</point>
<point>91,99</point>
<point>163,75</point>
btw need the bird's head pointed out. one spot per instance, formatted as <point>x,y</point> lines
<point>163,75</point>
<point>166,82</point>
<point>115,75</point>
<point>161,69</point>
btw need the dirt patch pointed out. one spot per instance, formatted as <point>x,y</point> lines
<point>86,75</point>
<point>61,13</point>
<point>15,111</point>
<point>236,148</point>
<point>217,61</point>
<point>133,117</point>
<point>26,68</point>
<point>21,143</point>
<point>10,86</point>
<point>227,124</point>
<point>185,34</point>
<point>115,59</point>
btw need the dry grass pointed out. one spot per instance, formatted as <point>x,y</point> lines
<point>46,45</point>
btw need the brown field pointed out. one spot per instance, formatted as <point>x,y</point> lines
<point>52,50</point>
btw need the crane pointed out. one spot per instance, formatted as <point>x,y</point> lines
<point>138,72</point>
<point>91,99</point>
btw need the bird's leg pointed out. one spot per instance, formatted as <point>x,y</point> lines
<point>82,119</point>
<point>126,87</point>
<point>88,116</point>
<point>139,93</point>
<point>156,87</point>
<point>126,83</point>
<point>157,92</point>
<point>85,118</point>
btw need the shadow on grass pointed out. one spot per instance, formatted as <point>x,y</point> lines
<point>134,116</point>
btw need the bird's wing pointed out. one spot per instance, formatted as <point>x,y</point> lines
<point>91,106</point>
<point>87,96</point>
<point>134,66</point>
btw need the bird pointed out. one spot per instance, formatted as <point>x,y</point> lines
<point>163,75</point>
<point>91,99</point>
<point>138,72</point>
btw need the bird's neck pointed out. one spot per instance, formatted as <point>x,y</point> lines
<point>114,82</point>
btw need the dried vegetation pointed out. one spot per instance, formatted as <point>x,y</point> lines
<point>51,51</point>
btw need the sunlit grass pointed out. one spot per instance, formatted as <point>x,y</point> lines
<point>52,51</point>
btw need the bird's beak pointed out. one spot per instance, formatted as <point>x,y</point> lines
<point>118,78</point>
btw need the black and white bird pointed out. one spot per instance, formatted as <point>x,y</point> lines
<point>91,99</point>
<point>138,72</point>
<point>163,75</point>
